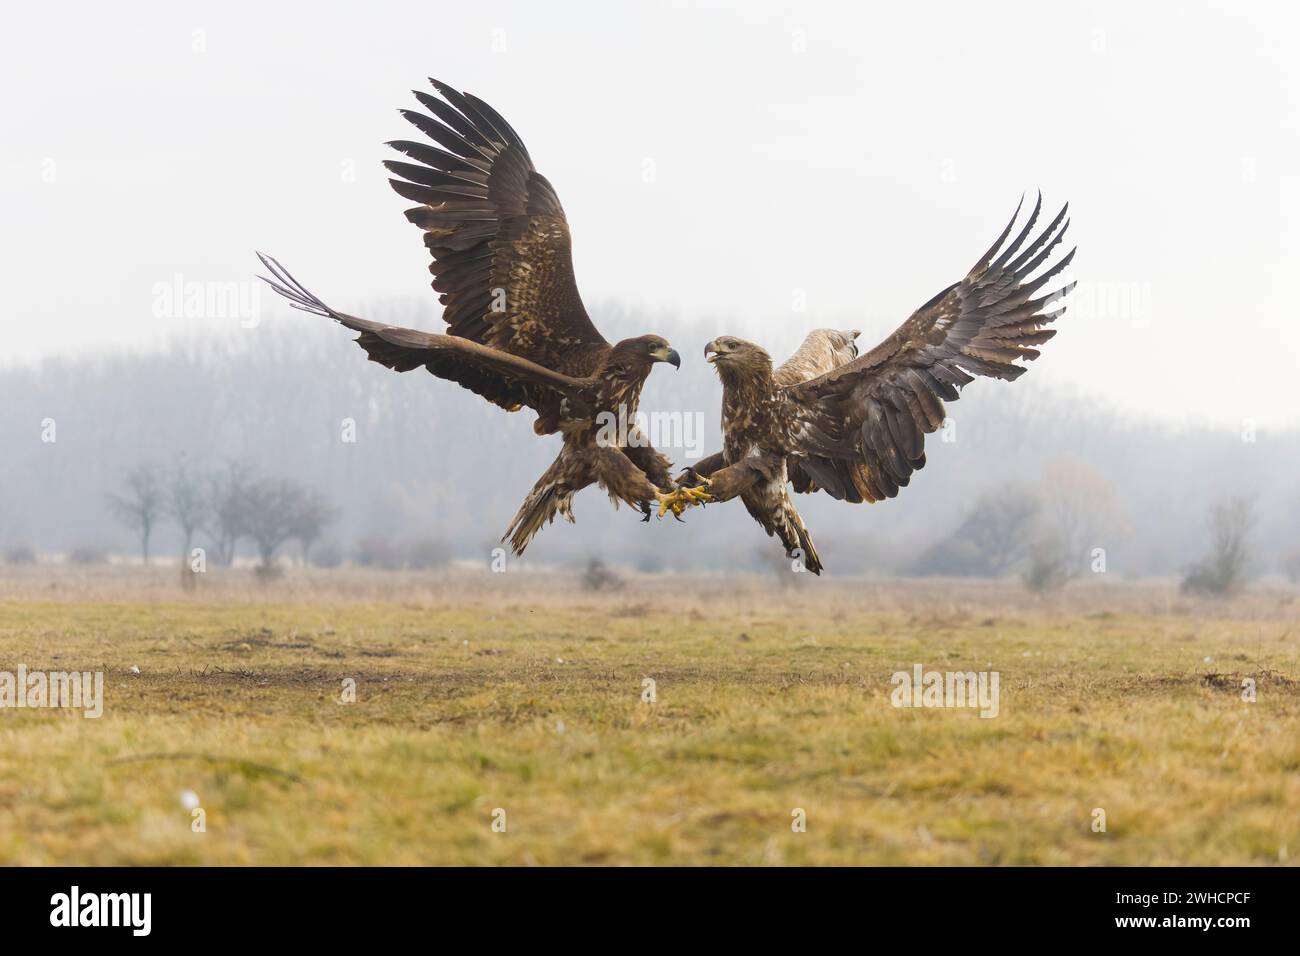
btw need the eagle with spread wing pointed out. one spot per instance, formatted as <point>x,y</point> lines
<point>517,332</point>
<point>855,426</point>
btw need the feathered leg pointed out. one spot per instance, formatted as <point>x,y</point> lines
<point>552,495</point>
<point>624,480</point>
<point>574,469</point>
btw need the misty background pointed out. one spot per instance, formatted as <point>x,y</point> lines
<point>758,169</point>
<point>430,460</point>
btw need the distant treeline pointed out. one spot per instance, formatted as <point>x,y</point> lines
<point>1022,468</point>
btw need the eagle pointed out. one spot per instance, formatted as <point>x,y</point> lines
<point>854,426</point>
<point>517,331</point>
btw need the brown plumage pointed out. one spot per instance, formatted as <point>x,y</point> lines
<point>855,427</point>
<point>518,333</point>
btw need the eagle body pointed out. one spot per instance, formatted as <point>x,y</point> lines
<point>854,426</point>
<point>758,427</point>
<point>628,468</point>
<point>517,334</point>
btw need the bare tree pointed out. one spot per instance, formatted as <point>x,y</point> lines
<point>311,515</point>
<point>1079,508</point>
<point>227,491</point>
<point>269,508</point>
<point>188,506</point>
<point>991,540</point>
<point>141,506</point>
<point>274,511</point>
<point>1224,569</point>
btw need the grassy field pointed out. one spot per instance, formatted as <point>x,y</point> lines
<point>522,693</point>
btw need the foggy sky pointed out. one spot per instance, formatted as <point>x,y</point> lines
<point>719,161</point>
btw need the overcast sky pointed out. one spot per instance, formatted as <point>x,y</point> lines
<point>724,161</point>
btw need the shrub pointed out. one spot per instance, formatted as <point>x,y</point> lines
<point>1223,571</point>
<point>598,576</point>
<point>1046,569</point>
<point>327,555</point>
<point>378,551</point>
<point>20,554</point>
<point>426,552</point>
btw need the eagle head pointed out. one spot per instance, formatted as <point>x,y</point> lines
<point>644,351</point>
<point>736,358</point>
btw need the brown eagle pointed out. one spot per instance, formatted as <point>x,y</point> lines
<point>517,331</point>
<point>855,427</point>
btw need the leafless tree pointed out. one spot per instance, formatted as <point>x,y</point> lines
<point>310,516</point>
<point>270,514</point>
<point>992,539</point>
<point>227,491</point>
<point>1224,570</point>
<point>1079,508</point>
<point>141,505</point>
<point>188,506</point>
<point>220,391</point>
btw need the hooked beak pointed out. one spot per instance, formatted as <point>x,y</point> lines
<point>711,352</point>
<point>668,355</point>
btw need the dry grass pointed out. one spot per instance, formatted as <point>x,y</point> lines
<point>768,699</point>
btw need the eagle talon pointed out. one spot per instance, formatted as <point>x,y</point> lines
<point>681,499</point>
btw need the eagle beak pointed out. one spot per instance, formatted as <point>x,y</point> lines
<point>711,348</point>
<point>667,355</point>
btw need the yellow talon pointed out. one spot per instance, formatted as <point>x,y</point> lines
<point>683,498</point>
<point>697,496</point>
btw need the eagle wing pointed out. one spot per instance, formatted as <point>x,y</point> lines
<point>859,430</point>
<point>503,378</point>
<point>821,351</point>
<point>502,254</point>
